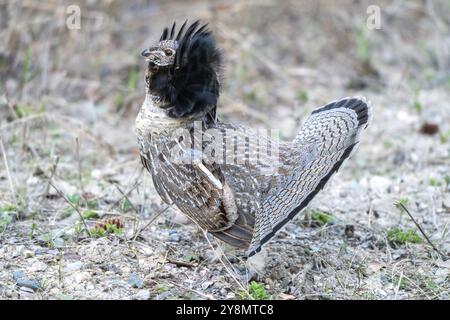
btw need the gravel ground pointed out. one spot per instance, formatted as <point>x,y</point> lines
<point>68,101</point>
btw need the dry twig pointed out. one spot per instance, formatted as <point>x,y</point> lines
<point>74,207</point>
<point>150,222</point>
<point>403,207</point>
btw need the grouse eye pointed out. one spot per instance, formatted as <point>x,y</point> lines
<point>168,52</point>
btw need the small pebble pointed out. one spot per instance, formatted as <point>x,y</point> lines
<point>18,251</point>
<point>174,238</point>
<point>28,253</point>
<point>26,290</point>
<point>349,231</point>
<point>18,274</point>
<point>8,293</point>
<point>111,268</point>
<point>74,266</point>
<point>206,284</point>
<point>143,295</point>
<point>80,277</point>
<point>135,281</point>
<point>38,266</point>
<point>446,201</point>
<point>22,281</point>
<point>343,194</point>
<point>231,295</point>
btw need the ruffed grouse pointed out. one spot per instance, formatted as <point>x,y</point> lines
<point>239,185</point>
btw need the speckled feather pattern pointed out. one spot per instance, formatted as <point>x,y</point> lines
<point>243,204</point>
<point>264,203</point>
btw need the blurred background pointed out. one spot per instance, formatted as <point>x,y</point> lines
<point>71,85</point>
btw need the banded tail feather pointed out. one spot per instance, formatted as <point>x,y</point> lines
<point>325,141</point>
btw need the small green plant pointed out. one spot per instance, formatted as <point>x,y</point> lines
<point>126,205</point>
<point>22,110</point>
<point>417,106</point>
<point>90,214</point>
<point>433,182</point>
<point>41,107</point>
<point>447,180</point>
<point>132,79</point>
<point>32,230</point>
<point>14,139</point>
<point>362,45</point>
<point>73,199</point>
<point>400,236</point>
<point>399,282</point>
<point>8,208</point>
<point>66,212</point>
<point>256,291</point>
<point>51,239</point>
<point>160,288</point>
<point>92,204</point>
<point>250,96</point>
<point>387,144</point>
<point>98,232</point>
<point>25,71</point>
<point>302,96</point>
<point>5,220</point>
<point>118,101</point>
<point>192,257</point>
<point>321,217</point>
<point>110,226</point>
<point>400,203</point>
<point>429,283</point>
<point>415,87</point>
<point>78,228</point>
<point>113,229</point>
<point>444,136</point>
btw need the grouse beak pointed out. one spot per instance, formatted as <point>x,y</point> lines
<point>146,53</point>
<point>152,56</point>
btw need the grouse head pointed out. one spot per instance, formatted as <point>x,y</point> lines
<point>183,71</point>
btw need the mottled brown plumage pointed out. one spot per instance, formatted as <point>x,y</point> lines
<point>247,198</point>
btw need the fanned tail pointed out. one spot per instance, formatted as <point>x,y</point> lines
<point>326,139</point>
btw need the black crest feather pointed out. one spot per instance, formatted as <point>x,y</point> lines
<point>189,87</point>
